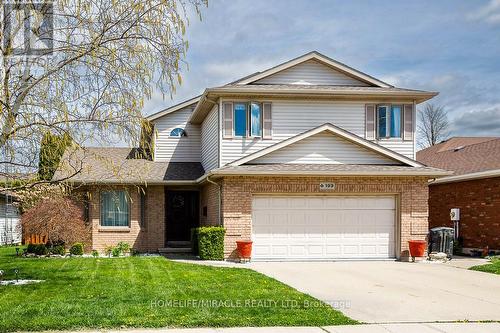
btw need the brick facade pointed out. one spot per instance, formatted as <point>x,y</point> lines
<point>209,200</point>
<point>411,193</point>
<point>147,236</point>
<point>237,193</point>
<point>479,203</point>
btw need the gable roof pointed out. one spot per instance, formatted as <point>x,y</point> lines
<point>314,55</point>
<point>463,155</point>
<point>173,108</point>
<point>337,131</point>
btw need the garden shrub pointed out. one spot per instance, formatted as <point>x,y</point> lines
<point>211,243</point>
<point>76,249</point>
<point>116,252</point>
<point>194,241</point>
<point>123,247</point>
<point>39,249</point>
<point>58,249</point>
<point>95,253</point>
<point>108,249</point>
<point>30,248</point>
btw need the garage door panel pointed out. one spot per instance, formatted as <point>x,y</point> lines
<point>323,227</point>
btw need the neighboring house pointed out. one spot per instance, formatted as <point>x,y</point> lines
<point>474,188</point>
<point>10,230</point>
<point>310,159</point>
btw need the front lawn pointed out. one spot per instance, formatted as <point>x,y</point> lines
<point>493,267</point>
<point>148,292</point>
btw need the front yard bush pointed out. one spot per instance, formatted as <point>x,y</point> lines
<point>38,249</point>
<point>211,243</point>
<point>58,249</point>
<point>76,249</point>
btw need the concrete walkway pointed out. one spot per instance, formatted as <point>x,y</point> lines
<point>372,328</point>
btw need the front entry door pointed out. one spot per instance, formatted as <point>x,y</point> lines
<point>182,214</point>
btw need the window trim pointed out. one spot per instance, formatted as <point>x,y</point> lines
<point>388,118</point>
<point>127,198</point>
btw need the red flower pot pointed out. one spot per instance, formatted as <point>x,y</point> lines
<point>417,248</point>
<point>244,249</point>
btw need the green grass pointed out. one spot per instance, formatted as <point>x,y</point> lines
<point>493,267</point>
<point>112,293</point>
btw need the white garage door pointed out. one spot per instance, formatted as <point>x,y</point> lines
<point>295,228</point>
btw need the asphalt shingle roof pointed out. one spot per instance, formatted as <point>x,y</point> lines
<point>463,155</point>
<point>122,165</point>
<point>327,168</point>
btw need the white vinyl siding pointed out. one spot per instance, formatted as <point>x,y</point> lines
<point>311,72</point>
<point>324,148</point>
<point>399,146</point>
<point>9,226</point>
<point>177,149</point>
<point>209,142</point>
<point>292,117</point>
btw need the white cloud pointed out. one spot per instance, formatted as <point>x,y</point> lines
<point>231,71</point>
<point>489,13</point>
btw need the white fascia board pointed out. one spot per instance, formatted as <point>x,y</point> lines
<point>174,108</point>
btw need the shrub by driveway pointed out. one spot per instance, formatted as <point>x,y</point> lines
<point>148,292</point>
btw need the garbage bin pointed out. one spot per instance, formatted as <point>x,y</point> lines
<point>441,240</point>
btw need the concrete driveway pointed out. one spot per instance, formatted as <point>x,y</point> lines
<point>388,291</point>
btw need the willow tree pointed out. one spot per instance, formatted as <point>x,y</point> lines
<point>84,68</point>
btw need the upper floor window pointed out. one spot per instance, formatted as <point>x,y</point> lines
<point>255,119</point>
<point>114,209</point>
<point>240,119</point>
<point>248,119</point>
<point>389,121</point>
<point>178,132</point>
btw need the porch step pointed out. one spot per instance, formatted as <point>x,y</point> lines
<point>175,250</point>
<point>178,244</point>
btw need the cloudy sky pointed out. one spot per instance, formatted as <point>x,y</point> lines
<point>450,46</point>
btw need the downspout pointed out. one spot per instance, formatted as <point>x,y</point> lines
<point>219,199</point>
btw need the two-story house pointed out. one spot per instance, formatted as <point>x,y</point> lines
<point>310,159</point>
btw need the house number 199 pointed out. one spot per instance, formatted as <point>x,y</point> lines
<point>326,186</point>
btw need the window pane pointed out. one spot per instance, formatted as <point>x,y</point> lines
<point>177,132</point>
<point>240,119</point>
<point>114,209</point>
<point>256,119</point>
<point>382,121</point>
<point>396,121</point>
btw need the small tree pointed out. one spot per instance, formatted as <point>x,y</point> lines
<point>60,219</point>
<point>433,126</point>
<point>52,149</point>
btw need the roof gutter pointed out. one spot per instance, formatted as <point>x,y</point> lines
<point>468,176</point>
<point>431,173</point>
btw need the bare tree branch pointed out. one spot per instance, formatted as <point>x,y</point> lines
<point>433,125</point>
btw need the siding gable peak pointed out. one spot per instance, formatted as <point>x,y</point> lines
<point>338,132</point>
<point>312,68</point>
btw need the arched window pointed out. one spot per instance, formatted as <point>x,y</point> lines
<point>178,132</point>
